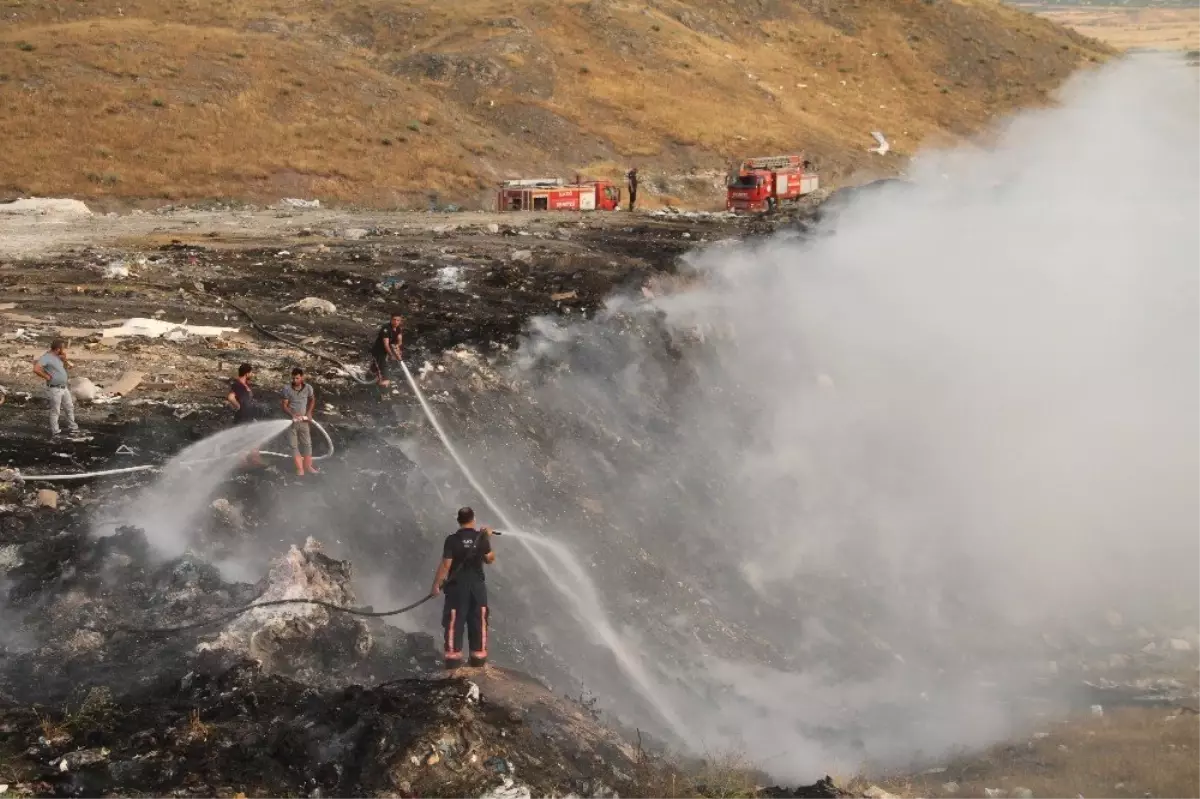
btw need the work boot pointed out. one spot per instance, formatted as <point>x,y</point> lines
<point>453,664</point>
<point>308,465</point>
<point>299,465</point>
<point>478,660</point>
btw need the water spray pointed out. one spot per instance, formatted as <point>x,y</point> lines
<point>579,590</point>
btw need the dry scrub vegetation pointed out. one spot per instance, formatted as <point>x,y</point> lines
<point>1157,28</point>
<point>388,102</point>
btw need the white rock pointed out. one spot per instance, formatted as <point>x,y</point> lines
<point>354,233</point>
<point>1180,645</point>
<point>311,305</point>
<point>522,256</point>
<point>42,206</point>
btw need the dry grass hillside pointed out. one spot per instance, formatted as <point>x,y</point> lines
<point>386,102</point>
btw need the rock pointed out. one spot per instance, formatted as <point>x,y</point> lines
<point>875,792</point>
<point>950,788</point>
<point>1179,645</point>
<point>311,305</point>
<point>1021,793</point>
<point>41,206</point>
<point>493,228</point>
<point>82,389</point>
<point>354,233</point>
<point>47,498</point>
<point>521,256</point>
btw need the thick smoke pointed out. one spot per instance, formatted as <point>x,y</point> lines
<point>892,456</point>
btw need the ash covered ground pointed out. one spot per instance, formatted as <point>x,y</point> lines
<point>308,702</point>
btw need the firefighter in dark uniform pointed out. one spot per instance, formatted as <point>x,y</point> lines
<point>387,347</point>
<point>631,176</point>
<point>464,553</point>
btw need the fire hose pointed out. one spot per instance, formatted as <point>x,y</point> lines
<point>230,614</point>
<point>152,466</point>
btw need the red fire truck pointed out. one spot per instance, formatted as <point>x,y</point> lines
<point>763,184</point>
<point>555,194</point>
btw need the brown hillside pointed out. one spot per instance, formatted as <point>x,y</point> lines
<point>385,102</point>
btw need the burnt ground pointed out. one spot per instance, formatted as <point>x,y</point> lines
<point>88,709</point>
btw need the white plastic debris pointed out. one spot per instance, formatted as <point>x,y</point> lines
<point>883,147</point>
<point>472,692</point>
<point>451,278</point>
<point>82,389</point>
<point>508,789</point>
<point>354,233</point>
<point>117,270</point>
<point>157,328</point>
<point>311,305</point>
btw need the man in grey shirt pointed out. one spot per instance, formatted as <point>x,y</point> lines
<point>52,367</point>
<point>299,400</point>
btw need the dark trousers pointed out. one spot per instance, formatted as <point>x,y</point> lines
<point>632,197</point>
<point>466,610</point>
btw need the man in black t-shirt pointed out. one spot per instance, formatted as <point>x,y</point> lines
<point>463,555</point>
<point>387,347</point>
<point>241,399</point>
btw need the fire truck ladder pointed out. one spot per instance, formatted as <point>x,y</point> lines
<point>773,162</point>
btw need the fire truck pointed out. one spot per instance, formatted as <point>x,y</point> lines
<point>763,184</point>
<point>555,194</point>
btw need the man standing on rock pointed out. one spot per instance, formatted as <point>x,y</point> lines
<point>241,399</point>
<point>52,367</point>
<point>387,347</point>
<point>299,401</point>
<point>632,177</point>
<point>463,555</point>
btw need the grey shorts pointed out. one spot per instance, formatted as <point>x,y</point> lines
<point>300,435</point>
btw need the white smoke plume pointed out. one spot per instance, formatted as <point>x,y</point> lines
<point>960,417</point>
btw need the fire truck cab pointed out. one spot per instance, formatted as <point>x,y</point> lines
<point>763,184</point>
<point>555,194</point>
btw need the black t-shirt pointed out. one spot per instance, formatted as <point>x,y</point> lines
<point>466,547</point>
<point>387,333</point>
<point>245,398</point>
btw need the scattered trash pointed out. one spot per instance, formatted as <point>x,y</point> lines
<point>390,283</point>
<point>497,764</point>
<point>311,305</point>
<point>47,498</point>
<point>81,758</point>
<point>565,295</point>
<point>156,328</point>
<point>521,256</point>
<point>125,449</point>
<point>883,147</point>
<point>472,692</point>
<point>354,233</point>
<point>433,759</point>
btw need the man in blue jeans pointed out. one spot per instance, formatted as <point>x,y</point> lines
<point>52,367</point>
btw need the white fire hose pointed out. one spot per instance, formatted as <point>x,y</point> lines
<point>151,467</point>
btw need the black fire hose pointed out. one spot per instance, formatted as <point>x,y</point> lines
<point>374,614</point>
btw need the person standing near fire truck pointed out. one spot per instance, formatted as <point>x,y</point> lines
<point>632,177</point>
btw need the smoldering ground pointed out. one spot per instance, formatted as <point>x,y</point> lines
<point>842,489</point>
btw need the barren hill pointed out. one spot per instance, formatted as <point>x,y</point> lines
<point>390,102</point>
